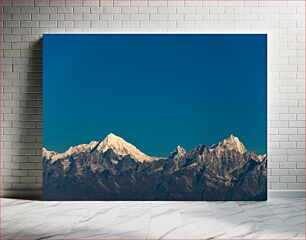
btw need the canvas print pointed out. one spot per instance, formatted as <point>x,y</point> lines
<point>155,117</point>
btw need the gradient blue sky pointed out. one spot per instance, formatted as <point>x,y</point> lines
<point>155,91</point>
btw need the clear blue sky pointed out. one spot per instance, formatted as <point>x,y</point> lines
<point>155,91</point>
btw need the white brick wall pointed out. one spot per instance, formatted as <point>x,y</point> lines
<point>24,22</point>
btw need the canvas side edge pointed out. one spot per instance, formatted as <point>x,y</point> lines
<point>37,194</point>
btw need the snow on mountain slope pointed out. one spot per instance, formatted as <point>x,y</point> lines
<point>178,153</point>
<point>122,148</point>
<point>117,144</point>
<point>230,143</point>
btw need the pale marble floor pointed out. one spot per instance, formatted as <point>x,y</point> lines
<point>274,219</point>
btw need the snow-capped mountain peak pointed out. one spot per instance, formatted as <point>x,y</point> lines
<point>178,152</point>
<point>122,148</point>
<point>232,143</point>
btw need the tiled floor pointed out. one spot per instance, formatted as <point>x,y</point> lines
<point>274,219</point>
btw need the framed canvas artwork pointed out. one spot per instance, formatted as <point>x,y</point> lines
<point>154,117</point>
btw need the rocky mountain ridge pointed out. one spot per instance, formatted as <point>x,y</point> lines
<point>114,169</point>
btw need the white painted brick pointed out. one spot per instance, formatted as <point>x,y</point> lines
<point>113,24</point>
<point>160,17</point>
<point>30,24</point>
<point>288,116</point>
<point>142,16</point>
<point>167,24</point>
<point>265,24</point>
<point>279,186</point>
<point>73,3</point>
<point>111,10</point>
<point>166,10</point>
<point>98,24</point>
<point>105,17</point>
<point>28,179</point>
<point>287,131</point>
<point>296,151</point>
<point>147,9</point>
<point>81,9</point>
<point>91,16</point>
<point>47,24</point>
<point>202,10</point>
<point>20,46</point>
<point>300,179</point>
<point>287,74</point>
<point>210,17</point>
<point>138,3</point>
<point>268,10</point>
<point>130,24</point>
<point>273,165</point>
<point>11,24</point>
<point>279,138</point>
<point>288,179</point>
<point>29,10</point>
<point>221,24</point>
<point>42,3</point>
<point>242,10</point>
<point>185,10</point>
<point>44,16</point>
<point>176,17</point>
<point>75,16</point>
<point>25,16</point>
<point>294,17</point>
<point>10,9</point>
<point>50,10</point>
<point>296,31</point>
<point>280,172</point>
<point>296,172</point>
<point>157,3</point>
<point>122,3</point>
<point>300,165</point>
<point>301,131</point>
<point>193,17</point>
<point>22,3</point>
<point>57,3</point>
<point>297,124</point>
<point>273,179</point>
<point>91,3</point>
<point>106,2</point>
<point>296,186</point>
<point>287,145</point>
<point>197,3</point>
<point>228,17</point>
<point>287,165</point>
<point>19,173</point>
<point>96,10</point>
<point>11,179</point>
<point>81,24</point>
<point>129,10</point>
<point>57,17</point>
<point>217,10</point>
<point>65,24</point>
<point>121,17</point>
<point>148,24</point>
<point>63,10</point>
<point>300,116</point>
<point>21,31</point>
<point>201,24</point>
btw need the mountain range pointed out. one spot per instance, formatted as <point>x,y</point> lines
<point>114,169</point>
